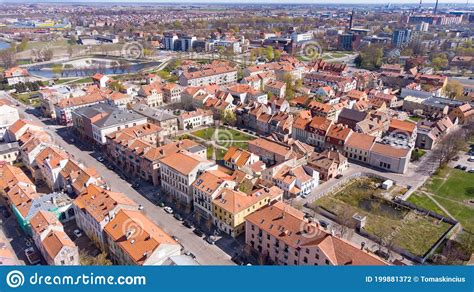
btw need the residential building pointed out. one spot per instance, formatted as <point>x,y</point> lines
<point>389,158</point>
<point>178,172</point>
<point>329,164</point>
<point>206,188</point>
<point>96,207</point>
<point>8,116</point>
<point>132,239</point>
<point>231,207</point>
<point>222,75</point>
<point>286,237</point>
<point>237,158</point>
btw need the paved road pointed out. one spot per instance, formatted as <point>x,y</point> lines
<point>205,253</point>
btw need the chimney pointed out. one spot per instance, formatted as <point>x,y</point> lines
<point>351,20</point>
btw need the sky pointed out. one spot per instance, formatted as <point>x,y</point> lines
<point>256,1</point>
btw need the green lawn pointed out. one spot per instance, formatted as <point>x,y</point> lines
<point>25,98</point>
<point>423,201</point>
<point>452,188</point>
<point>226,137</point>
<point>394,224</point>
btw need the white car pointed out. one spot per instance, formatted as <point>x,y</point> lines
<point>168,210</point>
<point>77,233</point>
<point>140,207</point>
<point>471,159</point>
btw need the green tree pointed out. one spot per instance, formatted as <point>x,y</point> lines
<point>370,57</point>
<point>269,53</point>
<point>23,45</point>
<point>229,117</point>
<point>454,89</point>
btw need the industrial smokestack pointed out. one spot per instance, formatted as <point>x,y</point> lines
<point>436,7</point>
<point>351,19</point>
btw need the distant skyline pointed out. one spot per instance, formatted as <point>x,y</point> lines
<point>251,1</point>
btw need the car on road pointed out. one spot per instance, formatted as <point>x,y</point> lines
<point>77,233</point>
<point>140,207</point>
<point>304,196</point>
<point>178,217</point>
<point>32,256</point>
<point>323,223</point>
<point>211,239</point>
<point>339,176</point>
<point>175,239</point>
<point>168,210</point>
<point>136,185</point>
<point>100,159</point>
<point>198,232</point>
<point>188,224</point>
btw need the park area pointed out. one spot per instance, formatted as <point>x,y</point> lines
<point>224,137</point>
<point>449,191</point>
<point>392,223</point>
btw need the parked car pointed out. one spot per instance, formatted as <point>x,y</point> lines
<point>175,239</point>
<point>188,224</point>
<point>459,166</point>
<point>323,223</point>
<point>471,159</point>
<point>471,170</point>
<point>32,256</point>
<point>110,166</point>
<point>464,167</point>
<point>178,217</point>
<point>77,233</point>
<point>136,185</point>
<point>161,204</point>
<point>211,239</point>
<point>198,232</point>
<point>140,207</point>
<point>100,159</point>
<point>168,210</point>
<point>339,176</point>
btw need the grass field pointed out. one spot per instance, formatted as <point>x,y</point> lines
<point>225,137</point>
<point>392,223</point>
<point>451,188</point>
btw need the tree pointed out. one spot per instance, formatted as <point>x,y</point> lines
<point>57,69</point>
<point>8,58</point>
<point>99,260</point>
<point>23,45</point>
<point>269,53</point>
<point>48,54</point>
<point>454,89</point>
<point>229,117</point>
<point>370,57</point>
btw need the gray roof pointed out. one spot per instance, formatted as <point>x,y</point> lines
<point>9,147</point>
<point>118,117</point>
<point>353,115</point>
<point>153,113</point>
